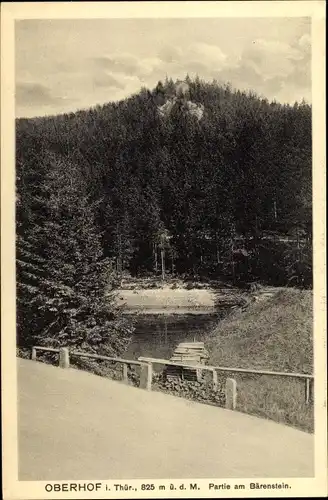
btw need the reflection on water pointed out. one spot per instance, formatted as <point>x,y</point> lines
<point>157,335</point>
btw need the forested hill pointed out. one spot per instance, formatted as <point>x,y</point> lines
<point>217,192</point>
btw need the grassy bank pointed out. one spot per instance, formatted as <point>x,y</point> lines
<point>274,334</point>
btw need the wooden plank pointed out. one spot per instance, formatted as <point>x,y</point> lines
<point>192,343</point>
<point>228,369</point>
<point>191,362</point>
<point>186,355</point>
<point>50,349</point>
<point>190,376</point>
<point>183,354</point>
<point>187,349</point>
<point>186,360</point>
<point>107,358</point>
<point>190,348</point>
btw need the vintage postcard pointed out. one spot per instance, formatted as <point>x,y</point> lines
<point>163,250</point>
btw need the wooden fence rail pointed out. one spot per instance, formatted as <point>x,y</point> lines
<point>146,372</point>
<point>65,356</point>
<point>231,400</point>
<point>225,368</point>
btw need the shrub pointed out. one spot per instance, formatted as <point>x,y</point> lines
<point>202,392</point>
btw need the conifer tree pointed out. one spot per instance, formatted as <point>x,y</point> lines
<point>246,164</point>
<point>63,279</point>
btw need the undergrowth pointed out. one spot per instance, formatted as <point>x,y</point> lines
<point>201,391</point>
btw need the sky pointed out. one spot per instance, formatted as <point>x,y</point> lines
<point>66,65</point>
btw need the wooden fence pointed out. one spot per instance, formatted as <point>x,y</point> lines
<point>146,371</point>
<point>232,385</point>
<point>65,356</point>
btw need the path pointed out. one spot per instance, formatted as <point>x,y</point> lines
<point>74,425</point>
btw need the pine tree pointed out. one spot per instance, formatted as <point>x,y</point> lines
<point>63,278</point>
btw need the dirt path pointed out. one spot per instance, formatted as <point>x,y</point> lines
<point>74,425</point>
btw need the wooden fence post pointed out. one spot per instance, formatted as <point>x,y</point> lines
<point>199,374</point>
<point>215,380</point>
<point>64,357</point>
<point>125,373</point>
<point>146,376</point>
<point>231,394</point>
<point>308,391</point>
<point>33,356</point>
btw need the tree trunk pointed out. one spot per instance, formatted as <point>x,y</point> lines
<point>163,263</point>
<point>155,257</point>
<point>275,210</point>
<point>165,330</point>
<point>233,262</point>
<point>120,256</point>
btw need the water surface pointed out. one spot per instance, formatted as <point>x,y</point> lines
<point>157,335</point>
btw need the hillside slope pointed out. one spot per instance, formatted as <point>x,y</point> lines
<point>273,334</point>
<point>188,186</point>
<point>75,425</point>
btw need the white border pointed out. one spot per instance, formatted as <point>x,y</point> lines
<point>13,489</point>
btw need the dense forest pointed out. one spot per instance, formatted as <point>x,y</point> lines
<point>145,185</point>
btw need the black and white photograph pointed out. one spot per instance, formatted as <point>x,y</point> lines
<point>163,199</point>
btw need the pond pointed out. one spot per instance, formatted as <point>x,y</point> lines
<point>157,335</point>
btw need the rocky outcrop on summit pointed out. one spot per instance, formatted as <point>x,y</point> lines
<point>181,94</point>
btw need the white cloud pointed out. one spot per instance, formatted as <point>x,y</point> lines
<point>275,68</point>
<point>105,79</point>
<point>211,56</point>
<point>171,60</point>
<point>170,54</point>
<point>198,58</point>
<point>127,64</point>
<point>271,58</point>
<point>35,93</point>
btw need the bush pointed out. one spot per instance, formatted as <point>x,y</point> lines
<point>202,392</point>
<point>24,353</point>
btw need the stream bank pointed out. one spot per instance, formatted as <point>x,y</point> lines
<point>155,297</point>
